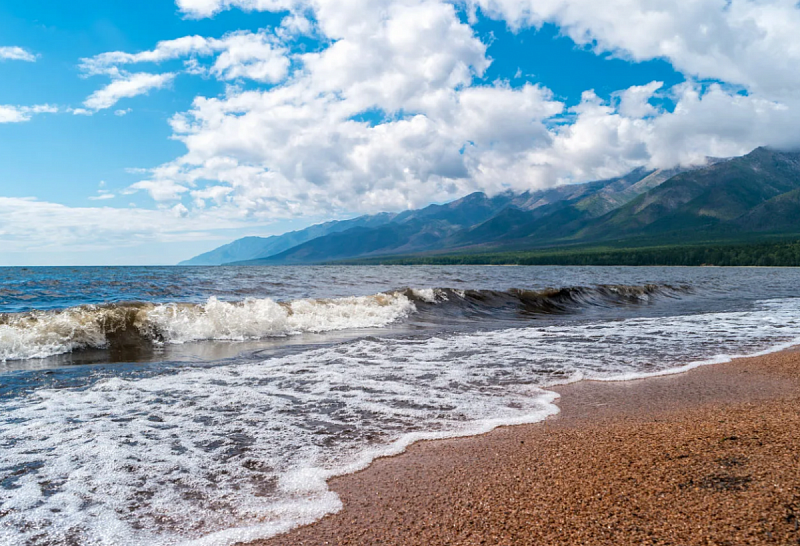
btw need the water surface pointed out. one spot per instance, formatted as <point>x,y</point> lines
<point>201,405</point>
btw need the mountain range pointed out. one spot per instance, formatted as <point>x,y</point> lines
<point>748,197</point>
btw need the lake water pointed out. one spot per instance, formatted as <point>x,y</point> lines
<point>160,406</point>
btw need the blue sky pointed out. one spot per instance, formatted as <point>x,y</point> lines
<point>64,157</point>
<point>283,113</point>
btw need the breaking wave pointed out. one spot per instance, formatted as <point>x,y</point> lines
<point>41,334</point>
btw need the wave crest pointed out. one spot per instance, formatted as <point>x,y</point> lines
<point>40,334</point>
<point>548,301</point>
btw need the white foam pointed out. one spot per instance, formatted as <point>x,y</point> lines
<point>216,455</point>
<point>47,333</point>
<point>429,295</point>
<point>718,359</point>
<point>43,334</point>
<point>348,313</point>
<point>261,318</point>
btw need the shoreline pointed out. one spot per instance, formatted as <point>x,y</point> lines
<point>504,486</point>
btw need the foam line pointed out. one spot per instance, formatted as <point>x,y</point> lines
<point>718,359</point>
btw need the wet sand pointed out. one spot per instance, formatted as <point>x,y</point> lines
<point>711,456</point>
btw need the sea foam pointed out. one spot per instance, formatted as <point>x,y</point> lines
<point>39,334</point>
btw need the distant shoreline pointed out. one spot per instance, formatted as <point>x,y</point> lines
<point>707,455</point>
<point>763,254</point>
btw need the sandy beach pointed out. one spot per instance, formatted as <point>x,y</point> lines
<point>710,456</point>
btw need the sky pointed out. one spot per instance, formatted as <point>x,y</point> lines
<point>147,132</point>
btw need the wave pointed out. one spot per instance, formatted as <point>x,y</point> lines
<point>41,334</point>
<point>549,301</point>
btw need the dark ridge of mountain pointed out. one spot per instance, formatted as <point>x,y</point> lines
<point>469,210</point>
<point>241,249</point>
<point>511,221</point>
<point>780,214</point>
<point>713,197</point>
<point>411,236</point>
<point>475,207</point>
<point>740,199</point>
<point>562,218</point>
<point>614,196</point>
<point>358,241</point>
<point>600,190</point>
<point>727,199</point>
<point>251,248</point>
<point>447,219</point>
<point>707,203</point>
<point>442,226</point>
<point>408,231</point>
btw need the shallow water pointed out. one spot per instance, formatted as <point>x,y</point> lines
<point>209,405</point>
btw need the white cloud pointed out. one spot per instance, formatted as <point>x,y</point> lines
<point>251,56</point>
<point>603,140</point>
<point>17,114</point>
<point>122,112</point>
<point>127,86</point>
<point>388,115</point>
<point>294,149</point>
<point>243,54</point>
<point>753,43</point>
<point>166,50</point>
<point>256,56</point>
<point>180,211</point>
<point>634,102</point>
<point>102,194</point>
<point>59,228</point>
<point>208,8</point>
<point>16,53</point>
<point>161,191</point>
<point>102,197</point>
<point>294,25</point>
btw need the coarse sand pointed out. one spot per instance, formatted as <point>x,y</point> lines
<point>711,456</point>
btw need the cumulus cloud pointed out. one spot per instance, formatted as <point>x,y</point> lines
<point>634,102</point>
<point>17,114</point>
<point>16,53</point>
<point>127,86</point>
<point>389,116</point>
<point>753,43</point>
<point>391,111</point>
<point>251,56</point>
<point>297,148</point>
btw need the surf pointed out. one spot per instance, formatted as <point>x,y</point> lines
<point>40,334</point>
